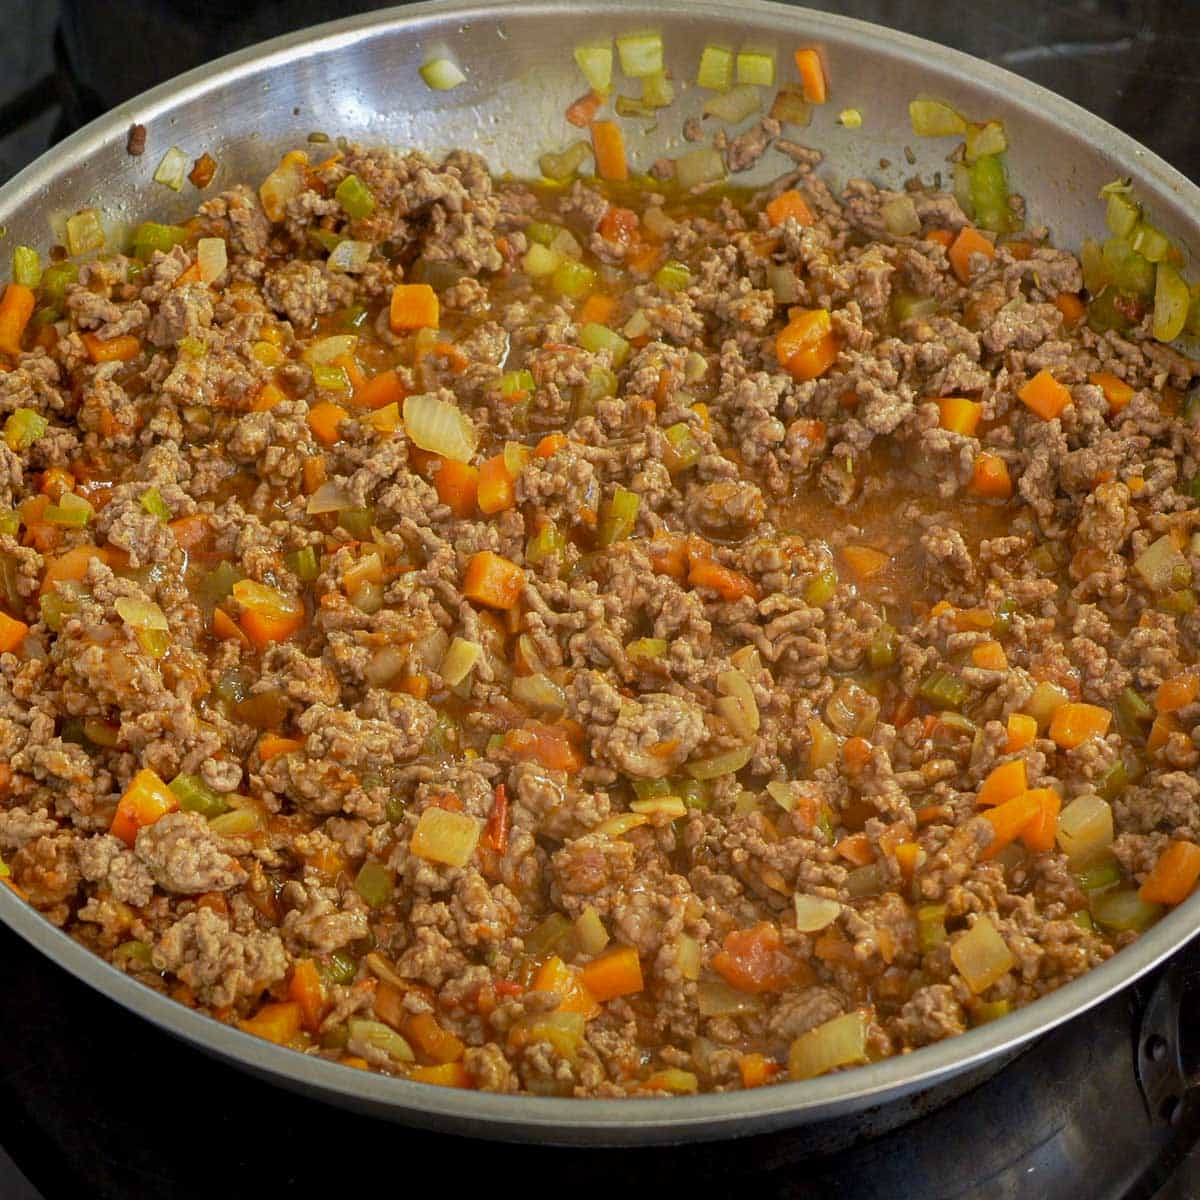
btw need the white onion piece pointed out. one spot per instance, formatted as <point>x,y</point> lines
<point>172,169</point>
<point>900,216</point>
<point>140,614</point>
<point>539,691</point>
<point>350,256</point>
<point>837,1043</point>
<point>460,661</point>
<point>698,167</point>
<point>329,348</point>
<point>734,105</point>
<point>815,912</point>
<point>440,427</point>
<point>212,258</point>
<point>1085,827</point>
<point>329,497</point>
<point>981,956</point>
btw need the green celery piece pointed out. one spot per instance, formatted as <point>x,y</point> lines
<point>355,197</point>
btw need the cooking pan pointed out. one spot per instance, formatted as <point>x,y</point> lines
<point>359,77</point>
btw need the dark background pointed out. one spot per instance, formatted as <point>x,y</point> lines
<point>94,1103</point>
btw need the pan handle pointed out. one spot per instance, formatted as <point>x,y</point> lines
<point>1168,1049</point>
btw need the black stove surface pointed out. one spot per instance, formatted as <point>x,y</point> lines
<point>96,1103</point>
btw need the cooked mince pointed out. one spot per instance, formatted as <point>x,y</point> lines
<point>593,640</point>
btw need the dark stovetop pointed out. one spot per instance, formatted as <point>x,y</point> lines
<point>95,1103</point>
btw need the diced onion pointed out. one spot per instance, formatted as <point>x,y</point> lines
<point>262,598</point>
<point>440,427</point>
<point>734,105</point>
<point>241,822</point>
<point>1158,562</point>
<point>791,108</point>
<point>140,614</point>
<point>824,744</point>
<point>657,223</point>
<point>690,957</point>
<point>698,167</point>
<point>540,261</point>
<point>717,765</point>
<point>1046,698</point>
<point>590,931</point>
<point>284,183</point>
<point>172,169</point>
<point>539,691</point>
<point>350,256</point>
<point>566,244</point>
<point>85,234</point>
<point>851,710</point>
<point>786,795</point>
<point>935,118</point>
<point>431,648</point>
<point>785,284</point>
<point>981,956</point>
<point>460,660</point>
<point>562,1030</point>
<point>385,665</point>
<point>641,54</point>
<point>595,60</point>
<point>328,349</point>
<point>381,1037</point>
<point>742,710</point>
<point>670,806</point>
<point>637,326</point>
<point>212,258</point>
<point>1085,827</point>
<point>1172,300</point>
<point>442,74</point>
<point>329,497</point>
<point>621,824</point>
<point>837,1043</point>
<point>445,837</point>
<point>719,999</point>
<point>815,912</point>
<point>900,216</point>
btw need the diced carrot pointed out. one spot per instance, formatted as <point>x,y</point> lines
<point>56,483</point>
<point>756,960</point>
<point>756,1070</point>
<point>555,976</point>
<point>1022,730</point>
<point>324,419</point>
<point>145,800</point>
<point>1021,251</point>
<point>493,581</point>
<point>12,633</point>
<point>1116,391</point>
<point>789,204</point>
<point>361,1064</point>
<point>617,973</point>
<point>1009,820</point>
<point>1176,692</point>
<point>969,241</point>
<point>943,237</point>
<point>271,745</point>
<point>457,486</point>
<point>190,275</point>
<point>581,111</point>
<point>989,656</point>
<point>545,744</point>
<point>1003,783</point>
<point>451,1074</point>
<point>1044,395</point>
<point>16,307</point>
<point>669,556</point>
<point>550,445</point>
<point>278,1023</point>
<point>226,629</point>
<point>496,486</point>
<point>812,76</point>
<point>265,629</point>
<point>119,349</point>
<point>423,1030</point>
<point>959,415</point>
<point>6,775</point>
<point>1039,834</point>
<point>620,226</point>
<point>306,989</point>
<point>597,309</point>
<point>380,390</point>
<point>495,834</point>
<point>806,346</point>
<point>1071,307</point>
<point>1073,723</point>
<point>642,259</point>
<point>414,685</point>
<point>990,478</point>
<point>856,848</point>
<point>908,858</point>
<point>1164,725</point>
<point>314,473</point>
<point>1173,877</point>
<point>72,565</point>
<point>864,561</point>
<point>608,147</point>
<point>413,306</point>
<point>191,530</point>
<point>728,584</point>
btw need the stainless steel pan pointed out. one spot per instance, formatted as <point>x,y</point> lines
<point>359,77</point>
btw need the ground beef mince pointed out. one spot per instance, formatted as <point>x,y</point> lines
<point>593,641</point>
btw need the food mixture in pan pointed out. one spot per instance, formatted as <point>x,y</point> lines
<point>605,637</point>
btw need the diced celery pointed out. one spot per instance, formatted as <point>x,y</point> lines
<point>695,793</point>
<point>716,68</point>
<point>1122,909</point>
<point>821,587</point>
<point>647,649</point>
<point>641,54</point>
<point>1171,301</point>
<point>944,690</point>
<point>542,232</point>
<point>355,197</point>
<point>931,926</point>
<point>151,236</point>
<point>1083,919</point>
<point>991,1010</point>
<point>547,541</point>
<point>1152,244</point>
<point>596,337</point>
<point>1133,708</point>
<point>595,60</point>
<point>540,261</point>
<point>341,968</point>
<point>85,234</point>
<point>657,91</point>
<point>756,67</point>
<point>23,428</point>
<point>881,652</point>
<point>1105,311</point>
<point>1099,875</point>
<point>1122,213</point>
<point>907,306</point>
<point>673,276</point>
<point>1180,602</point>
<point>26,267</point>
<point>934,118</point>
<point>1127,268</point>
<point>563,165</point>
<point>442,74</point>
<point>55,607</point>
<point>357,522</point>
<point>303,563</point>
<point>851,118</point>
<point>194,795</point>
<point>573,279</point>
<point>618,516</point>
<point>56,278</point>
<point>1114,781</point>
<point>516,385</point>
<point>985,139</point>
<point>10,522</point>
<point>354,317</point>
<point>71,510</point>
<point>627,106</point>
<point>218,583</point>
<point>685,450</point>
<point>989,194</point>
<point>330,379</point>
<point>374,883</point>
<point>155,505</point>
